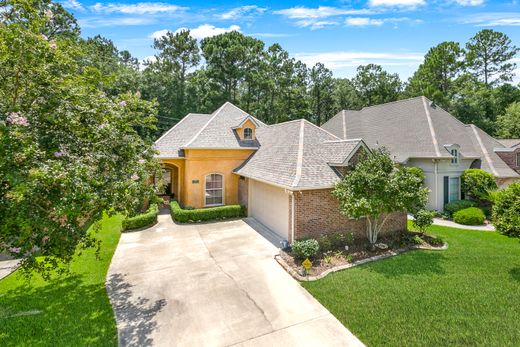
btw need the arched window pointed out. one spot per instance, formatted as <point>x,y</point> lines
<point>214,193</point>
<point>248,134</point>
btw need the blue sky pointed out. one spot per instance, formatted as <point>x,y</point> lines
<point>340,34</point>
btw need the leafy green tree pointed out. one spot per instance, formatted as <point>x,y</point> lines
<point>229,58</point>
<point>422,219</point>
<point>489,55</point>
<point>345,95</point>
<point>321,89</point>
<point>69,151</point>
<point>376,86</point>
<point>436,76</point>
<point>508,124</point>
<point>376,187</point>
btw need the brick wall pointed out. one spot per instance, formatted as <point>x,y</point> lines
<point>510,159</point>
<point>317,212</point>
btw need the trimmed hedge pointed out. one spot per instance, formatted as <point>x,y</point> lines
<point>142,220</point>
<point>303,249</point>
<point>205,214</point>
<point>469,216</point>
<point>458,205</point>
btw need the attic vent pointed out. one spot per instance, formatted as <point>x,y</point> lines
<point>432,104</point>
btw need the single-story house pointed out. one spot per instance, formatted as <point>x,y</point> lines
<point>419,133</point>
<point>283,173</point>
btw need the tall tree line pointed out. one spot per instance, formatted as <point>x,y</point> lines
<point>473,82</point>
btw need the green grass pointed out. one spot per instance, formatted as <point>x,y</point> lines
<point>68,311</point>
<point>468,295</point>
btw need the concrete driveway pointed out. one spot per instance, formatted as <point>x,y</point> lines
<point>213,284</point>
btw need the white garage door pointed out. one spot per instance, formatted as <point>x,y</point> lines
<point>270,206</point>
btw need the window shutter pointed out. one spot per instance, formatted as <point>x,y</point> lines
<point>446,189</point>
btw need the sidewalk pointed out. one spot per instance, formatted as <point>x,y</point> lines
<point>449,223</point>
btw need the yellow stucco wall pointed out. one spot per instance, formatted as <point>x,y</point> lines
<point>198,164</point>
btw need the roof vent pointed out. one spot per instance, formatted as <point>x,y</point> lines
<point>432,104</point>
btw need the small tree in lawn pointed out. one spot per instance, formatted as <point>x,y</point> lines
<point>377,186</point>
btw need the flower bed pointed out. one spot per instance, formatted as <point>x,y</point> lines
<point>205,214</point>
<point>339,258</point>
<point>146,219</point>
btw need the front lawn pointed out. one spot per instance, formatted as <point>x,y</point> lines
<point>69,311</point>
<point>465,296</point>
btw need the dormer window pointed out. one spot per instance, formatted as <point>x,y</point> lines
<point>455,156</point>
<point>248,134</point>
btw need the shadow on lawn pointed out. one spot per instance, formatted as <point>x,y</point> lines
<point>515,273</point>
<point>135,317</point>
<point>62,312</point>
<point>416,262</point>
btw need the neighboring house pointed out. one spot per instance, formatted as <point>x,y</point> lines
<point>419,133</point>
<point>283,173</point>
<point>510,153</point>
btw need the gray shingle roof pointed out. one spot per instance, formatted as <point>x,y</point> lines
<point>414,128</point>
<point>509,143</point>
<point>296,155</point>
<point>205,131</point>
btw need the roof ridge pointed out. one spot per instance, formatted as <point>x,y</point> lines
<point>299,160</point>
<point>205,125</point>
<point>430,125</point>
<point>484,150</point>
<point>344,124</point>
<point>320,128</point>
<point>343,140</point>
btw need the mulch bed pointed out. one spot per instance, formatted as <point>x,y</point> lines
<point>359,251</point>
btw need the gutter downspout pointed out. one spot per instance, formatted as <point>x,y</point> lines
<point>436,173</point>
<point>291,194</point>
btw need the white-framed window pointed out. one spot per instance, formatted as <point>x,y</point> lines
<point>214,190</point>
<point>248,134</point>
<point>454,189</point>
<point>455,156</point>
<point>518,159</point>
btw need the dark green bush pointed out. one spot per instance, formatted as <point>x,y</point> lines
<point>142,220</point>
<point>423,219</point>
<point>458,205</point>
<point>337,241</point>
<point>303,249</point>
<point>469,216</point>
<point>437,241</point>
<point>205,214</point>
<point>506,211</point>
<point>477,184</point>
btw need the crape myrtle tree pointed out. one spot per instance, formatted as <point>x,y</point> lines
<point>375,187</point>
<point>69,151</point>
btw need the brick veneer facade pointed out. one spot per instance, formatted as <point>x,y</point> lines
<point>510,158</point>
<point>317,212</point>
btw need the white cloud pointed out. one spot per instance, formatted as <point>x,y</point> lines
<point>319,12</point>
<point>469,2</point>
<point>95,22</point>
<point>396,3</point>
<point>341,59</point>
<point>269,35</point>
<point>492,19</point>
<point>363,21</point>
<point>315,24</point>
<point>72,5</point>
<point>200,32</point>
<point>137,8</point>
<point>242,12</point>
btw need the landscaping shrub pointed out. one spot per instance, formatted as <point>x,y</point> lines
<point>469,216</point>
<point>506,211</point>
<point>205,214</point>
<point>303,249</point>
<point>423,219</point>
<point>330,242</point>
<point>477,183</point>
<point>142,220</point>
<point>458,205</point>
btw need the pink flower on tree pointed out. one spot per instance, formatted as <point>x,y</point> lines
<point>122,103</point>
<point>53,45</point>
<point>45,239</point>
<point>15,118</point>
<point>102,126</point>
<point>60,154</point>
<point>45,38</point>
<point>135,177</point>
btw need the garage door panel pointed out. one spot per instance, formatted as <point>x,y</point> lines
<point>270,206</point>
